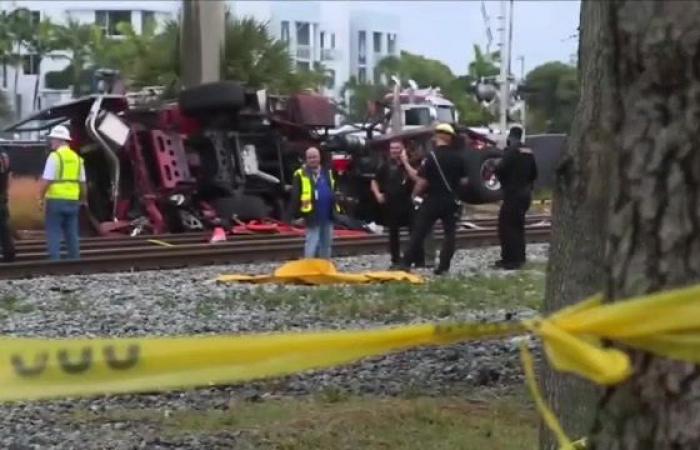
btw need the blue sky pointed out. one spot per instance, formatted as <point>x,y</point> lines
<point>447,30</point>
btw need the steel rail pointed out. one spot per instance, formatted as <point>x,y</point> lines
<point>154,258</point>
<point>163,240</point>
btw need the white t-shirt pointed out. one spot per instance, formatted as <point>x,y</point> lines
<point>51,168</point>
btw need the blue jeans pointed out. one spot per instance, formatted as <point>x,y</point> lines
<point>62,222</point>
<point>319,238</point>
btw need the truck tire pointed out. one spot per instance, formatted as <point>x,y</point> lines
<point>222,96</point>
<point>483,186</point>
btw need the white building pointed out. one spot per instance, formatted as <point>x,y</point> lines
<point>346,42</point>
<point>107,14</point>
<point>374,36</point>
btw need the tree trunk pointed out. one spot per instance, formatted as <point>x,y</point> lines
<point>77,67</point>
<point>36,85</point>
<point>650,73</point>
<point>18,67</point>
<point>578,217</point>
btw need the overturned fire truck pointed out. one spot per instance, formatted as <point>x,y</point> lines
<point>221,153</point>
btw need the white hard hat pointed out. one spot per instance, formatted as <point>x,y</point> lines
<point>59,132</point>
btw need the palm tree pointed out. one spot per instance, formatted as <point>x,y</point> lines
<point>149,58</point>
<point>42,43</point>
<point>361,96</point>
<point>254,57</point>
<point>5,45</point>
<point>483,64</point>
<point>5,111</point>
<point>19,31</point>
<point>74,37</point>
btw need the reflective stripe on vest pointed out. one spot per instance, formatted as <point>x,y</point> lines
<point>307,196</point>
<point>66,186</point>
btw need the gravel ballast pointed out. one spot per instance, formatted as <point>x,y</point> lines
<point>185,302</point>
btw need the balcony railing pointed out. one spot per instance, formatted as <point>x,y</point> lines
<point>329,54</point>
<point>304,51</point>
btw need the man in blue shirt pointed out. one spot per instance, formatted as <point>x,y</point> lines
<point>313,198</point>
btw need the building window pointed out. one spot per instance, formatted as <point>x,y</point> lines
<point>35,17</point>
<point>362,75</point>
<point>108,21</point>
<point>391,43</point>
<point>148,20</point>
<point>361,47</point>
<point>377,38</point>
<point>330,79</point>
<point>377,76</point>
<point>332,40</point>
<point>303,33</point>
<point>285,31</point>
<point>303,66</point>
<point>322,39</point>
<point>30,64</point>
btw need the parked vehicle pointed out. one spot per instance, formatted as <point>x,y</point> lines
<point>221,153</point>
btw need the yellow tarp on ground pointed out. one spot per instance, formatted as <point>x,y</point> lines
<point>319,272</point>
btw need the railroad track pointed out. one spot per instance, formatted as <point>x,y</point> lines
<point>118,257</point>
<point>31,246</point>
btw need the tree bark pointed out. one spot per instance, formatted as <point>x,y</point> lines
<point>580,205</point>
<point>651,66</point>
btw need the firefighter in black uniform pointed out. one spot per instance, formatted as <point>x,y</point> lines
<point>440,176</point>
<point>6,241</point>
<point>517,172</point>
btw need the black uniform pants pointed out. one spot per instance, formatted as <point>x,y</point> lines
<point>6,241</point>
<point>397,217</point>
<point>511,228</point>
<point>432,210</point>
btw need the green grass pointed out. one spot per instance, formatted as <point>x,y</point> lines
<point>490,422</point>
<point>11,304</point>
<point>542,194</point>
<point>441,297</point>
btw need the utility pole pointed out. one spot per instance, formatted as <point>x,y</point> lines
<point>202,41</point>
<point>522,67</point>
<point>505,64</point>
<point>523,113</point>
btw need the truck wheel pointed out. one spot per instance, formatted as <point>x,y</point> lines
<point>222,96</point>
<point>483,187</point>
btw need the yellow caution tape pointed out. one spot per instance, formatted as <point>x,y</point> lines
<point>161,243</point>
<point>666,324</point>
<point>319,272</point>
<point>36,368</point>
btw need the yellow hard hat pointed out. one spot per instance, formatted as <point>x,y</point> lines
<point>445,128</point>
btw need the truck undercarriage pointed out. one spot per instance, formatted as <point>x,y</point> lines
<point>222,154</point>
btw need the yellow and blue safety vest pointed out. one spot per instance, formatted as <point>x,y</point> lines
<point>66,185</point>
<point>306,197</point>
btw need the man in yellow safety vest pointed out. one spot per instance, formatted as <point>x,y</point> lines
<point>63,188</point>
<point>313,198</point>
